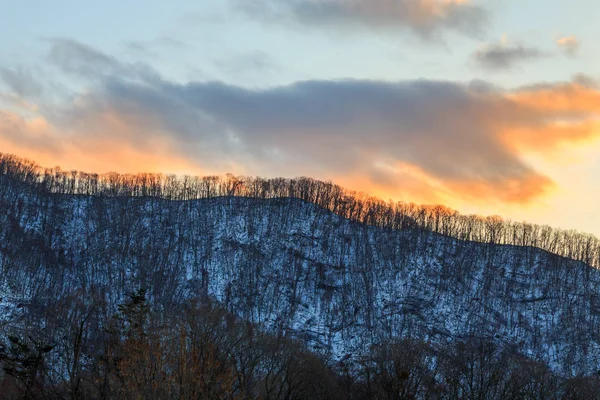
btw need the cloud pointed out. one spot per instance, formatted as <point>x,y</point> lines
<point>569,45</point>
<point>26,133</point>
<point>502,56</point>
<point>416,139</point>
<point>119,147</point>
<point>449,131</point>
<point>148,49</point>
<point>586,81</point>
<point>426,18</point>
<point>21,82</point>
<point>14,101</point>
<point>76,58</point>
<point>248,64</point>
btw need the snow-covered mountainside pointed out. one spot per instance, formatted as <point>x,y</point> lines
<point>297,269</point>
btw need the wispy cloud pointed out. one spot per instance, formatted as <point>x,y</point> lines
<point>504,55</point>
<point>586,80</point>
<point>75,58</point>
<point>247,64</point>
<point>569,45</point>
<point>21,82</point>
<point>426,18</point>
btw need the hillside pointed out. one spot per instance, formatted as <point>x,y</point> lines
<point>295,269</point>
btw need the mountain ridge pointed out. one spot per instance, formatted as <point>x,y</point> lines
<point>352,205</point>
<point>298,270</point>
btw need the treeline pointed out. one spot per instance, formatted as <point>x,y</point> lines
<point>203,352</point>
<point>289,265</point>
<point>352,205</point>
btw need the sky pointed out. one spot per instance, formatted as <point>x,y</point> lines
<point>489,107</point>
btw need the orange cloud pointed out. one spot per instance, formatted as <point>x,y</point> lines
<point>412,183</point>
<point>398,181</point>
<point>568,114</point>
<point>552,138</point>
<point>424,17</point>
<point>569,44</point>
<point>567,98</point>
<point>420,12</point>
<point>115,150</point>
<point>515,191</point>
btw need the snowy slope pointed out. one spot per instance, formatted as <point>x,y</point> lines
<point>298,270</point>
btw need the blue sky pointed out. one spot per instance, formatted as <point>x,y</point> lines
<point>195,40</point>
<point>485,106</point>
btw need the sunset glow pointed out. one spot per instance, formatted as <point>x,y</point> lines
<point>468,104</point>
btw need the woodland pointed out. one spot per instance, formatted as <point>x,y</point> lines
<point>154,286</point>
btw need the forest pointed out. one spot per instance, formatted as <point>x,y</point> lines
<point>203,352</point>
<point>152,286</point>
<point>355,206</point>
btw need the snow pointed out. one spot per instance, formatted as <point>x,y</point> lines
<point>292,267</point>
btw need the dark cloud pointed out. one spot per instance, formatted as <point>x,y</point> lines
<point>465,137</point>
<point>429,124</point>
<point>423,17</point>
<point>501,56</point>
